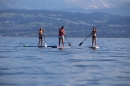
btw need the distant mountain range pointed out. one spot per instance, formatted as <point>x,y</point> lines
<point>23,23</point>
<point>120,7</point>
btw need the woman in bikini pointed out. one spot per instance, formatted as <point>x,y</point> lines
<point>94,32</point>
<point>61,35</point>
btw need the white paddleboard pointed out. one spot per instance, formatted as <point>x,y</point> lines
<point>63,47</point>
<point>95,47</point>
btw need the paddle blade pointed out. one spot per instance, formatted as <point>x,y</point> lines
<point>69,44</point>
<point>80,43</point>
<point>45,45</point>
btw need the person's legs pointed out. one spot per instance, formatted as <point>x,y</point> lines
<point>63,41</point>
<point>92,41</point>
<point>95,41</point>
<point>59,41</point>
<point>41,42</point>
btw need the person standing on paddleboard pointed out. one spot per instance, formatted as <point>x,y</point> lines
<point>41,31</point>
<point>94,32</point>
<point>61,35</point>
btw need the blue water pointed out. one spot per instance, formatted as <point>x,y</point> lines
<point>78,66</point>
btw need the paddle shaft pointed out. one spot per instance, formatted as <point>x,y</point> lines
<point>44,37</point>
<point>45,40</point>
<point>83,40</point>
<point>86,37</point>
<point>66,38</point>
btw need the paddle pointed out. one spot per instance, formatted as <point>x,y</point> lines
<point>84,40</point>
<point>45,40</point>
<point>67,41</point>
<point>66,38</point>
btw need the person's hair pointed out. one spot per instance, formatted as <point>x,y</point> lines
<point>62,27</point>
<point>94,28</point>
<point>40,28</point>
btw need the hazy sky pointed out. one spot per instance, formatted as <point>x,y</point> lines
<point>55,4</point>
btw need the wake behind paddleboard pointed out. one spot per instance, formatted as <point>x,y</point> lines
<point>94,47</point>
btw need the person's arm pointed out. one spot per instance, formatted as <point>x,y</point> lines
<point>43,30</point>
<point>96,31</point>
<point>91,32</point>
<point>64,31</point>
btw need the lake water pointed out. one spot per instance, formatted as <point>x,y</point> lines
<point>78,66</point>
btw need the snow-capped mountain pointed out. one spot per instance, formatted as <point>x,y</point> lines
<point>95,4</point>
<point>65,5</point>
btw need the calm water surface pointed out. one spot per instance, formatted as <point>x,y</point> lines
<point>78,66</point>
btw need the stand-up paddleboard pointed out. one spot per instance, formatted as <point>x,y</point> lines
<point>39,46</point>
<point>55,46</point>
<point>63,47</point>
<point>94,47</point>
